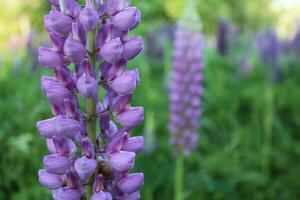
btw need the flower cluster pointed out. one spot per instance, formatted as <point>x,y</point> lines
<point>185,88</point>
<point>222,37</point>
<point>269,47</point>
<point>89,154</point>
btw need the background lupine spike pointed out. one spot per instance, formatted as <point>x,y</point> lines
<point>187,68</point>
<point>222,37</point>
<point>100,169</point>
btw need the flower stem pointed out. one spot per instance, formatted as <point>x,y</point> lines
<point>91,103</point>
<point>178,184</point>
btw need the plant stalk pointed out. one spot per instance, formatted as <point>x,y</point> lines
<point>91,103</point>
<point>178,183</point>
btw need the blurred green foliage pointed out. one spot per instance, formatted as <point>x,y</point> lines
<point>249,145</point>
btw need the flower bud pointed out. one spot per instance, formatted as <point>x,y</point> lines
<point>98,183</point>
<point>89,18</point>
<point>64,146</point>
<point>50,145</point>
<point>71,7</point>
<point>74,50</point>
<point>57,41</point>
<point>55,92</point>
<point>134,144</point>
<point>65,77</point>
<point>85,167</point>
<point>104,121</point>
<point>127,19</point>
<point>87,86</point>
<point>132,117</point>
<point>72,109</point>
<point>131,183</point>
<point>113,129</point>
<point>125,83</point>
<point>132,196</point>
<point>122,161</point>
<point>133,47</point>
<point>50,58</point>
<point>58,22</point>
<point>121,103</point>
<point>56,164</point>
<point>104,35</point>
<point>66,193</point>
<point>117,142</point>
<point>50,181</point>
<point>73,180</point>
<point>53,2</point>
<point>112,51</point>
<point>87,148</point>
<point>114,6</point>
<point>101,196</point>
<point>59,125</point>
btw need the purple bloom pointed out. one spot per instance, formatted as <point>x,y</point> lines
<point>74,50</point>
<point>58,22</point>
<point>134,144</point>
<point>87,86</point>
<point>50,58</point>
<point>122,161</point>
<point>59,125</point>
<point>71,8</point>
<point>132,117</point>
<point>127,19</point>
<point>185,86</point>
<point>89,18</point>
<point>222,37</point>
<point>125,83</point>
<point>131,183</point>
<point>101,196</point>
<point>80,155</point>
<point>112,51</point>
<point>133,47</point>
<point>50,181</point>
<point>85,167</point>
<point>115,6</point>
<point>56,164</point>
<point>66,193</point>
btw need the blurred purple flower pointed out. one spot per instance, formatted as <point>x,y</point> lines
<point>185,86</point>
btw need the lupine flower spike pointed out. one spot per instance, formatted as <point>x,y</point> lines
<point>185,90</point>
<point>90,154</point>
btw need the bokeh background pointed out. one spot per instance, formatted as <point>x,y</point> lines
<point>249,145</point>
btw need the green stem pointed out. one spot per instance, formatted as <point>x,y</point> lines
<point>178,186</point>
<point>91,103</point>
<point>268,125</point>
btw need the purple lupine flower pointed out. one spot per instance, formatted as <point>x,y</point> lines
<point>268,45</point>
<point>185,86</point>
<point>79,156</point>
<point>222,37</point>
